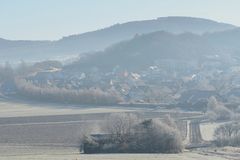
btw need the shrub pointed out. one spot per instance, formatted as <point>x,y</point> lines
<point>153,136</point>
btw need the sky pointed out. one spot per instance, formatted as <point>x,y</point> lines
<point>53,19</point>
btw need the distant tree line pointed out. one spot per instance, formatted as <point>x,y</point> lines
<point>54,94</point>
<point>125,133</point>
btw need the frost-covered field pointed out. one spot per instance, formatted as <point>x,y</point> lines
<point>21,109</point>
<point>207,130</point>
<point>35,131</point>
<point>61,153</point>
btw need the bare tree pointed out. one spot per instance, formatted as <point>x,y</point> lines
<point>120,125</point>
<point>6,72</point>
<point>169,121</point>
<point>228,134</point>
<point>217,110</point>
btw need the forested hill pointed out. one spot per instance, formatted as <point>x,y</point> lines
<point>100,39</point>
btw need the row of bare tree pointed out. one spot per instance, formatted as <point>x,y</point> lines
<point>54,94</point>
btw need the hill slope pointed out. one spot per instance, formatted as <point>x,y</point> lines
<point>227,41</point>
<point>101,39</point>
<point>147,50</point>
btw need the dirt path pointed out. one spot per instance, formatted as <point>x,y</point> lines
<point>195,133</point>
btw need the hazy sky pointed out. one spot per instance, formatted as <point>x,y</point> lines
<point>52,19</point>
